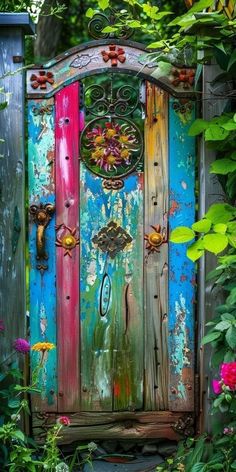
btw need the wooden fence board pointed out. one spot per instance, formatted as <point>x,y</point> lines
<point>181,269</point>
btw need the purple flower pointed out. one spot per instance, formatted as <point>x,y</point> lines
<point>2,326</point>
<point>21,345</point>
<point>228,431</point>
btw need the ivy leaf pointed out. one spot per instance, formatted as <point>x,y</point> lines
<point>210,337</point>
<point>215,242</point>
<point>223,325</point>
<point>231,337</point>
<point>90,13</point>
<point>196,250</point>
<point>134,24</point>
<point>232,60</point>
<point>220,212</point>
<point>202,226</point>
<point>109,29</point>
<point>103,4</point>
<point>220,228</point>
<point>182,234</point>
<point>215,133</point>
<point>198,127</point>
<point>223,166</point>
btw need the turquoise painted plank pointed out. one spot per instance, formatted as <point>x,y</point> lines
<point>111,336</point>
<point>42,283</point>
<point>181,269</point>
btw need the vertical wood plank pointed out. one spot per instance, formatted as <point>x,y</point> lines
<point>181,269</point>
<point>12,188</point>
<point>111,361</point>
<point>41,151</point>
<point>67,221</point>
<point>156,264</point>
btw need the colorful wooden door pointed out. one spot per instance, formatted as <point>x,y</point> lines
<point>111,173</point>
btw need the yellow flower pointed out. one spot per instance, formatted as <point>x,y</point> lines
<point>43,347</point>
<point>124,154</point>
<point>111,159</point>
<point>99,140</point>
<point>124,139</point>
<point>97,154</point>
<point>110,133</point>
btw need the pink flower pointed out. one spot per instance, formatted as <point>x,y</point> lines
<point>217,388</point>
<point>2,326</point>
<point>64,420</point>
<point>228,374</point>
<point>228,431</point>
<point>21,345</point>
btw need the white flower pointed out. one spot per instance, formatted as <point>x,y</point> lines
<point>62,467</point>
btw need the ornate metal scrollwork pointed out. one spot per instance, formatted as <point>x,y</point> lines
<point>121,102</point>
<point>100,21</point>
<point>111,147</point>
<point>112,239</point>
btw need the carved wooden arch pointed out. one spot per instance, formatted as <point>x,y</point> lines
<point>106,56</point>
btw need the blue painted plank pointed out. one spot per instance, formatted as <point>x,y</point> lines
<point>42,283</point>
<point>181,269</point>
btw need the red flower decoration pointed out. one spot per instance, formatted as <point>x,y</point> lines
<point>184,76</point>
<point>228,374</point>
<point>64,420</point>
<point>114,55</point>
<point>41,79</point>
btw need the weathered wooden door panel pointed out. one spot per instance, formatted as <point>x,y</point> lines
<point>115,296</point>
<point>67,229</point>
<point>111,297</point>
<point>41,150</point>
<point>156,263</point>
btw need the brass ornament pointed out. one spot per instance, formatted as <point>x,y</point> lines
<point>68,241</point>
<point>112,239</point>
<point>42,214</point>
<point>155,239</point>
<point>110,184</point>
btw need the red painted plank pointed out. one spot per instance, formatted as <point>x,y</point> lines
<point>67,221</point>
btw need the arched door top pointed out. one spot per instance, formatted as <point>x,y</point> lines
<point>107,56</point>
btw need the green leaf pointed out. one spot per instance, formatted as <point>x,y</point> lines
<point>109,29</point>
<point>195,250</point>
<point>182,234</point>
<point>220,228</point>
<point>90,13</point>
<point>223,325</point>
<point>215,133</point>
<point>215,242</point>
<point>3,105</point>
<point>228,317</point>
<point>223,166</point>
<point>220,213</point>
<point>103,4</point>
<point>202,226</point>
<point>230,126</point>
<point>157,45</point>
<point>198,127</point>
<point>134,24</point>
<point>14,403</point>
<point>231,300</point>
<point>18,435</point>
<point>199,7</point>
<point>229,356</point>
<point>231,337</point>
<point>199,467</point>
<point>210,337</point>
<point>232,60</point>
<point>233,465</point>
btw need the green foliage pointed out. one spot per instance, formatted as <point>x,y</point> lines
<point>34,7</point>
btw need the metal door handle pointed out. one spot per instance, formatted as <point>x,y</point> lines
<point>41,214</point>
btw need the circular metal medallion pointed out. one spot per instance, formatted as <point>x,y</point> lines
<point>111,147</point>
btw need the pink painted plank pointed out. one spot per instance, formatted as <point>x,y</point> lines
<point>67,220</point>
